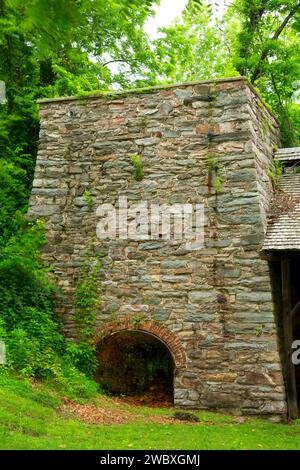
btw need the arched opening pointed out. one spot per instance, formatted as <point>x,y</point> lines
<point>134,363</point>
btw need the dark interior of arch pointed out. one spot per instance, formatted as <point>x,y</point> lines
<point>134,363</point>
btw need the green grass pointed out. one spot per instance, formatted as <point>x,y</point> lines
<point>29,419</point>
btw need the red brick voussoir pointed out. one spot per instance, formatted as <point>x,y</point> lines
<point>161,332</point>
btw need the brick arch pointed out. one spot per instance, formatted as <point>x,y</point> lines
<point>163,334</point>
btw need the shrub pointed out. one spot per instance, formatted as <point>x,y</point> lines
<point>28,325</point>
<point>83,357</point>
<point>75,384</point>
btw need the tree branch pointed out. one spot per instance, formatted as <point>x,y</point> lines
<point>113,61</point>
<point>264,54</point>
<point>288,125</point>
<point>225,40</point>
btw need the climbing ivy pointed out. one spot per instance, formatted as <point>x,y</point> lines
<point>276,172</point>
<point>215,179</point>
<point>86,298</point>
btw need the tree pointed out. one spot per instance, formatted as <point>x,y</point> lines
<point>258,39</point>
<point>193,47</point>
<point>50,48</point>
<point>267,51</point>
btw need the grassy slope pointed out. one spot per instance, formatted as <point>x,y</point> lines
<point>29,420</point>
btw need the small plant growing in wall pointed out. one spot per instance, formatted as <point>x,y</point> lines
<point>67,151</point>
<point>88,199</point>
<point>217,184</point>
<point>259,330</point>
<point>115,319</point>
<point>136,320</point>
<point>135,160</point>
<point>276,172</point>
<point>215,179</point>
<point>142,122</point>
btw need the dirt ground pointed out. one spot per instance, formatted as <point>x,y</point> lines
<point>117,410</point>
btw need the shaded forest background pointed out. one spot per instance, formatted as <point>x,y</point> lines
<point>54,48</point>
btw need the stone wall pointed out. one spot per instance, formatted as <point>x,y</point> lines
<point>217,300</point>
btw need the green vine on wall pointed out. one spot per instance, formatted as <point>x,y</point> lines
<point>89,200</point>
<point>135,160</point>
<point>276,172</point>
<point>215,179</point>
<point>67,151</point>
<point>86,298</point>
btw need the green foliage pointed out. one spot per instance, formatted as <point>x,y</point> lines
<point>75,385</point>
<point>217,184</point>
<point>83,356</point>
<point>214,173</point>
<point>28,356</point>
<point>136,320</point>
<point>193,47</point>
<point>23,283</point>
<point>213,164</point>
<point>13,194</point>
<point>31,331</point>
<point>267,51</point>
<point>255,38</point>
<point>45,51</point>
<point>136,161</point>
<point>276,172</point>
<point>259,330</point>
<point>89,200</point>
<point>87,299</point>
<point>28,325</point>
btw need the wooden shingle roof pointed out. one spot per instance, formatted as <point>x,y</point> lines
<point>288,154</point>
<point>283,231</point>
